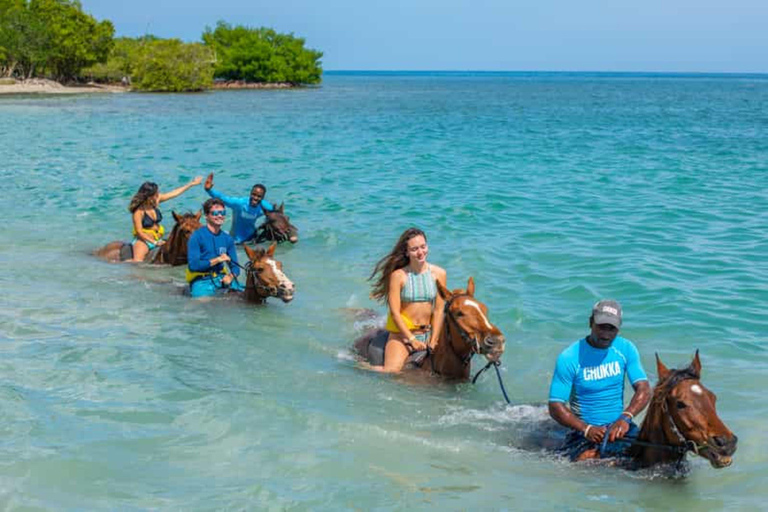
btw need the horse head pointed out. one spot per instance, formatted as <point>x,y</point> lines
<point>685,412</point>
<point>468,317</point>
<point>278,227</point>
<point>174,251</point>
<point>265,277</point>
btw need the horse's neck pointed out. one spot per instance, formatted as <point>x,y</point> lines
<point>445,359</point>
<point>657,429</point>
<point>169,252</point>
<point>251,294</point>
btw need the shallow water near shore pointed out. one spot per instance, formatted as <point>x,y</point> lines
<point>119,392</point>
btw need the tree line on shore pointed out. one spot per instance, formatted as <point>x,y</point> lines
<point>57,39</point>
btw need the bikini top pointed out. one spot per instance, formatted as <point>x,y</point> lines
<point>148,222</point>
<point>419,287</point>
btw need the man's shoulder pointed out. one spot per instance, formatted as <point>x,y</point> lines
<point>572,349</point>
<point>570,354</point>
<point>623,344</point>
<point>198,232</point>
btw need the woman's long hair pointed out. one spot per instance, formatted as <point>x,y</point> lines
<point>147,191</point>
<point>397,258</point>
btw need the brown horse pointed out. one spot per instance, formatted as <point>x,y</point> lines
<point>173,252</point>
<point>277,227</point>
<point>682,418</point>
<point>466,331</point>
<point>265,277</point>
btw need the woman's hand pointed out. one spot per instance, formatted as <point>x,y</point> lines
<point>196,181</point>
<point>415,345</point>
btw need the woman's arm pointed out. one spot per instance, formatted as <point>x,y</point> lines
<point>439,312</point>
<point>177,192</point>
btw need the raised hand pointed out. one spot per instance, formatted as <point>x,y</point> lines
<point>209,182</point>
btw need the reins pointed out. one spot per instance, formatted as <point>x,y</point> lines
<point>258,287</point>
<point>473,343</point>
<point>686,445</point>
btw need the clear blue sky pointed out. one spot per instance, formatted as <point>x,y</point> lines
<point>497,35</point>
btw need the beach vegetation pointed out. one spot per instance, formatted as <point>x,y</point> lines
<point>170,65</point>
<point>262,55</point>
<point>50,38</point>
<point>156,65</point>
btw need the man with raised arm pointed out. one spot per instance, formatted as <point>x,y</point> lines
<point>245,210</point>
<point>589,376</point>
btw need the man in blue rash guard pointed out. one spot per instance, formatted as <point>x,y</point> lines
<point>208,251</point>
<point>589,374</point>
<point>245,210</point>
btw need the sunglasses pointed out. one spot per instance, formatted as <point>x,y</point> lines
<point>218,213</point>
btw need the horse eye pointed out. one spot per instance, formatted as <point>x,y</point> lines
<point>681,405</point>
<point>459,313</point>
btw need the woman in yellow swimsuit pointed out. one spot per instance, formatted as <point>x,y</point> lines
<point>407,282</point>
<point>147,230</point>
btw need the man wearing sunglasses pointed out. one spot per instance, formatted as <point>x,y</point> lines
<point>589,375</point>
<point>212,259</point>
<point>245,210</point>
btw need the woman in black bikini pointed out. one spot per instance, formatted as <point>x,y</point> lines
<point>147,230</point>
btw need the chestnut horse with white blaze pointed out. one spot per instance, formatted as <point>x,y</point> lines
<point>173,252</point>
<point>682,418</point>
<point>264,277</point>
<point>466,331</point>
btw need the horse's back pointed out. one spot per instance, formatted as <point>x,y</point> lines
<point>115,251</point>
<point>371,346</point>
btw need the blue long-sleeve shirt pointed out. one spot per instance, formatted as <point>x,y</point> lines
<point>203,246</point>
<point>244,215</point>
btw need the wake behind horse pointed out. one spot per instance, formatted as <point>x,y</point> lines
<point>173,252</point>
<point>277,227</point>
<point>466,331</point>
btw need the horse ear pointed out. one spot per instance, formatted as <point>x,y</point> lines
<point>198,215</point>
<point>662,370</point>
<point>176,216</point>
<point>281,208</point>
<point>443,291</point>
<point>271,249</point>
<point>250,252</point>
<point>696,363</point>
<point>471,287</point>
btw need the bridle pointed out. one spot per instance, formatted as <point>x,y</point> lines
<point>262,290</point>
<point>258,286</point>
<point>683,445</point>
<point>268,232</point>
<point>472,341</point>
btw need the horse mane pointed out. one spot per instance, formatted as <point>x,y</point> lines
<point>665,387</point>
<point>175,247</point>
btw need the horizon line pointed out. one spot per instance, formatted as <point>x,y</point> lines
<point>521,71</point>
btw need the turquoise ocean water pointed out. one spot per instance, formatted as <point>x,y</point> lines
<point>553,190</point>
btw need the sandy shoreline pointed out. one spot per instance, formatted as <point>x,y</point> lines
<point>40,86</point>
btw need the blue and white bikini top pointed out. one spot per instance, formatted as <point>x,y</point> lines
<point>419,287</point>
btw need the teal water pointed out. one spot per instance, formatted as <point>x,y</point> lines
<point>119,393</point>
